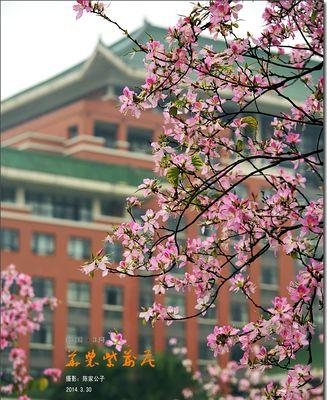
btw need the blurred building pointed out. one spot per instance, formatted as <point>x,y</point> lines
<point>69,160</point>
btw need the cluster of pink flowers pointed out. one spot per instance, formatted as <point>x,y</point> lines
<point>210,147</point>
<point>21,313</point>
<point>222,339</point>
<point>249,383</point>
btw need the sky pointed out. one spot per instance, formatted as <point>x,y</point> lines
<point>42,38</point>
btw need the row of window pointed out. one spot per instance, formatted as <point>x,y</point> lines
<point>44,244</point>
<point>139,139</point>
<point>80,248</point>
<point>64,206</point>
<point>78,297</point>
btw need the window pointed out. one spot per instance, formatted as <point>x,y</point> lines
<point>108,131</point>
<point>146,294</point>
<point>204,353</point>
<point>266,130</point>
<point>40,203</point>
<point>114,251</point>
<point>176,300</point>
<point>211,314</point>
<point>112,320</point>
<point>39,359</point>
<point>6,364</point>
<point>137,213</point>
<point>43,244</point>
<point>43,337</point>
<point>8,194</point>
<point>9,239</point>
<point>311,135</point>
<point>236,353</point>
<point>176,330</point>
<point>59,206</point>
<point>43,287</point>
<point>78,292</point>
<point>113,295</point>
<point>69,208</point>
<point>238,308</point>
<point>79,248</point>
<point>267,297</point>
<point>72,131</point>
<point>44,334</point>
<point>78,322</point>
<point>113,308</point>
<point>172,223</point>
<point>78,311</point>
<point>146,297</point>
<point>114,207</point>
<point>139,139</point>
<point>269,269</point>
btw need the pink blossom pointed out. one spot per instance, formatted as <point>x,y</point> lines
<point>292,137</point>
<point>55,373</point>
<point>116,340</point>
<point>81,6</point>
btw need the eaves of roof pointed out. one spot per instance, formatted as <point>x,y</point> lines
<point>73,167</point>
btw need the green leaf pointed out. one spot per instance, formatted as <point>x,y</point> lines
<point>313,16</point>
<point>239,145</point>
<point>42,384</point>
<point>91,274</point>
<point>252,125</point>
<point>197,161</point>
<point>173,111</point>
<point>250,121</point>
<point>179,103</point>
<point>172,176</point>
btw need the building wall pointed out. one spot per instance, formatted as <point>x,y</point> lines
<point>62,269</point>
<point>83,113</point>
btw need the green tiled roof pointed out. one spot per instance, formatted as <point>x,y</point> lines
<point>123,48</point>
<point>73,167</point>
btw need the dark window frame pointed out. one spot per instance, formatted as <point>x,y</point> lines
<point>14,240</point>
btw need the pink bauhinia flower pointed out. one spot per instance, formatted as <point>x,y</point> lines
<point>81,6</point>
<point>55,373</point>
<point>116,340</point>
